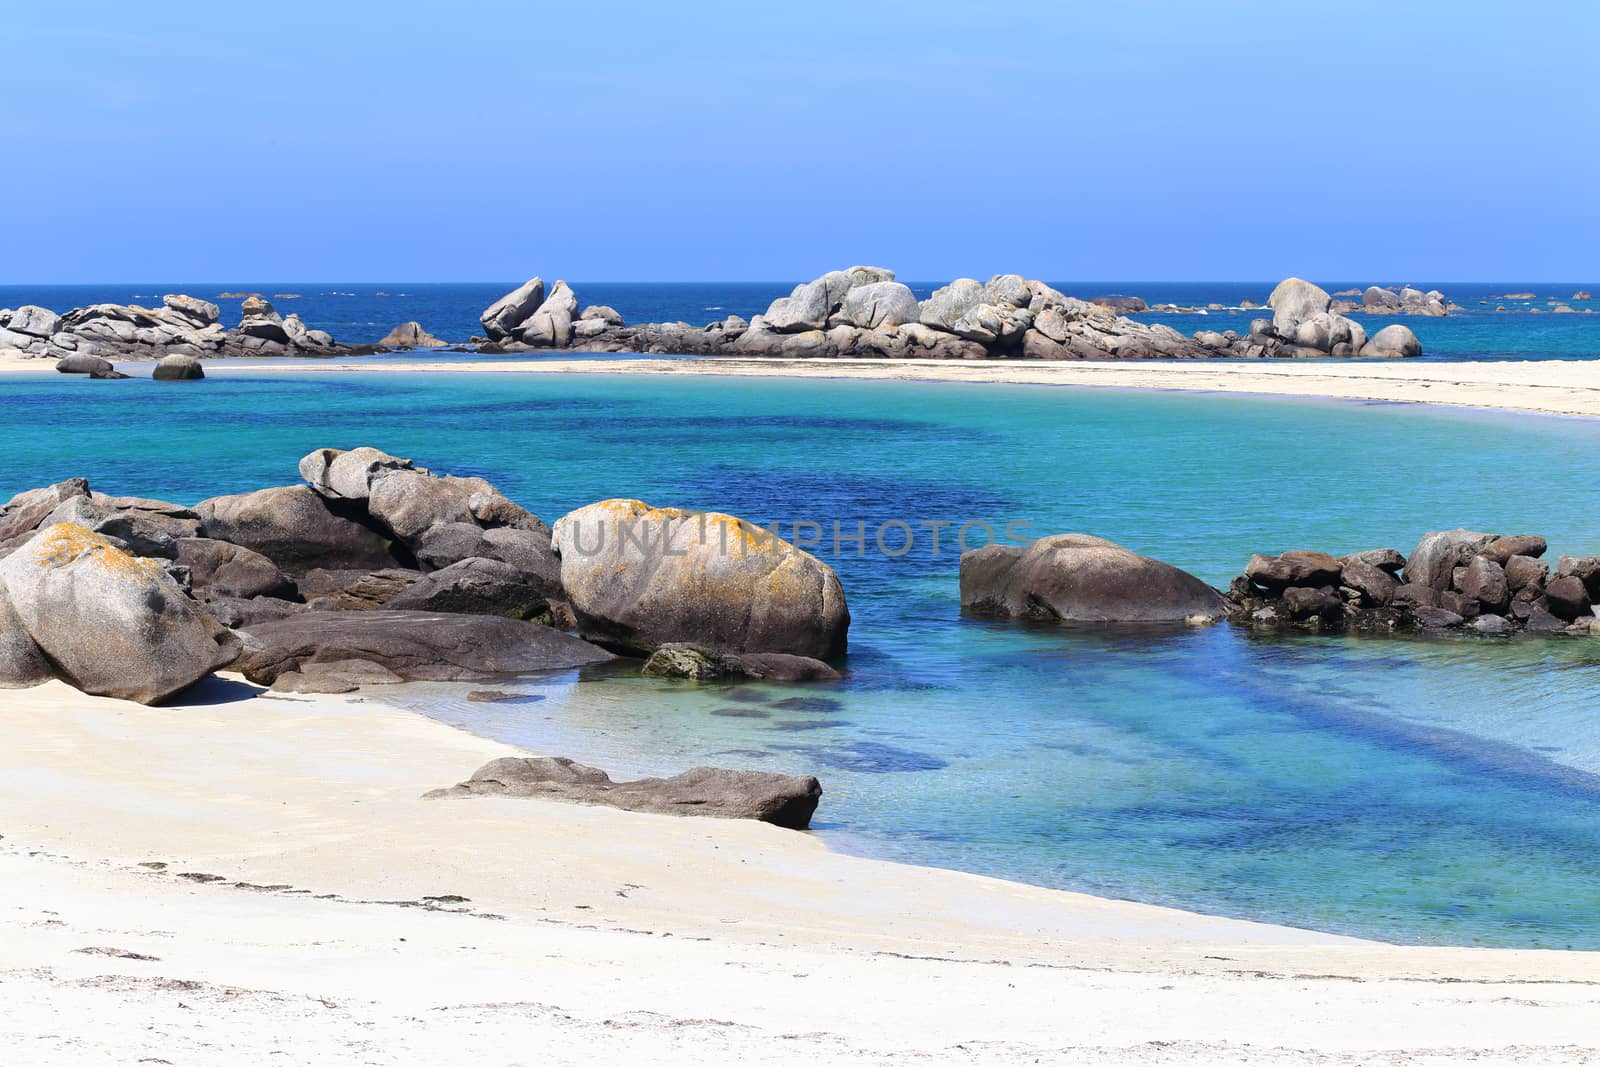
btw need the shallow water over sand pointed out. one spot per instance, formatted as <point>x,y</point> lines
<point>1415,791</point>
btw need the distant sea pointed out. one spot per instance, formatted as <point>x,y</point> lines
<point>359,312</point>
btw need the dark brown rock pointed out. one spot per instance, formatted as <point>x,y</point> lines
<point>1437,618</point>
<point>1415,596</point>
<point>1297,567</point>
<point>783,800</point>
<point>1525,571</point>
<point>1502,549</point>
<point>1459,603</point>
<point>1585,568</point>
<point>1305,603</point>
<point>1374,586</point>
<point>1567,597</point>
<point>1543,622</point>
<point>1485,581</point>
<point>416,645</point>
<point>1385,559</point>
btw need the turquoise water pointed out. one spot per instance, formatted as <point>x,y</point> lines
<point>1437,792</point>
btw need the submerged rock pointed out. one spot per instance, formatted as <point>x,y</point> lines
<point>784,800</point>
<point>1081,579</point>
<point>639,577</point>
<point>689,662</point>
<point>178,368</point>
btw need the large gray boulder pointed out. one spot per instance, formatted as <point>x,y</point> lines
<point>639,577</point>
<point>294,528</point>
<point>22,662</point>
<point>1393,342</point>
<point>1076,578</point>
<point>23,513</point>
<point>550,325</point>
<point>1294,301</point>
<point>503,317</point>
<point>804,309</point>
<point>949,303</point>
<point>414,645</point>
<point>781,799</point>
<point>110,623</point>
<point>409,502</point>
<point>33,320</point>
<point>348,475</point>
<point>142,531</point>
<point>880,304</point>
<point>201,312</point>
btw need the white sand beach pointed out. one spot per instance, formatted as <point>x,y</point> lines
<point>1553,387</point>
<point>247,879</point>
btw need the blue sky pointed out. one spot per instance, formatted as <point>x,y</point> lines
<point>732,141</point>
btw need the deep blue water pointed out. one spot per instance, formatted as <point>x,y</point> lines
<point>364,312</point>
<point>1416,791</point>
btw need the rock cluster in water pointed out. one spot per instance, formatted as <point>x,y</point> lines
<point>781,799</point>
<point>863,312</point>
<point>84,339</point>
<point>1305,324</point>
<point>375,570</point>
<point>1454,579</point>
<point>1377,300</point>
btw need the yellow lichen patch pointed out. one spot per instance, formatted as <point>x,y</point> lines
<point>65,543</point>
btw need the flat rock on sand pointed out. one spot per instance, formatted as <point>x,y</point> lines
<point>414,645</point>
<point>785,800</point>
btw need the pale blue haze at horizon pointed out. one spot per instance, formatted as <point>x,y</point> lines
<point>628,140</point>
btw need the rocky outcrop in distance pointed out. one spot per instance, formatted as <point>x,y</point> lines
<point>1377,300</point>
<point>784,800</point>
<point>184,326</point>
<point>1305,325</point>
<point>863,312</point>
